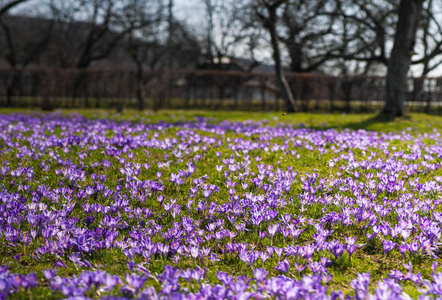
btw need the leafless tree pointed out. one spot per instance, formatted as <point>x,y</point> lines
<point>306,28</point>
<point>164,43</point>
<point>6,5</point>
<point>138,41</point>
<point>98,25</point>
<point>365,30</point>
<point>396,84</point>
<point>268,12</point>
<point>21,47</point>
<point>372,27</point>
<point>429,38</point>
<point>226,28</point>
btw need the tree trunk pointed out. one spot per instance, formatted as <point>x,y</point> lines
<point>139,91</point>
<point>283,84</point>
<point>399,62</point>
<point>188,94</point>
<point>263,95</point>
<point>12,85</point>
<point>9,92</point>
<point>347,86</point>
<point>140,98</point>
<point>280,77</point>
<point>277,101</point>
<point>428,97</point>
<point>97,98</point>
<point>295,57</point>
<point>221,96</point>
<point>331,95</point>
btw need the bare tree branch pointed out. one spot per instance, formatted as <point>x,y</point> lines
<point>6,7</point>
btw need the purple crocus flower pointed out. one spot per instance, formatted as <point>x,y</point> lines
<point>60,264</point>
<point>283,266</point>
<point>361,285</point>
<point>135,283</point>
<point>403,248</point>
<point>260,274</point>
<point>388,246</point>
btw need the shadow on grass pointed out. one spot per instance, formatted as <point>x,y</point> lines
<point>376,122</point>
<point>377,119</point>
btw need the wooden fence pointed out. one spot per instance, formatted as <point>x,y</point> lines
<point>67,88</point>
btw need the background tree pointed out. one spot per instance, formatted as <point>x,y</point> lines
<point>346,37</point>
<point>138,41</point>
<point>226,29</point>
<point>306,28</point>
<point>156,46</point>
<point>429,38</point>
<point>400,58</point>
<point>21,47</point>
<point>268,13</point>
<point>6,5</point>
<point>365,29</point>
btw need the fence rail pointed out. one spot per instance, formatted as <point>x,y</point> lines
<point>50,88</point>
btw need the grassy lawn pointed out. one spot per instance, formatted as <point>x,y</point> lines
<point>172,199</point>
<point>368,121</point>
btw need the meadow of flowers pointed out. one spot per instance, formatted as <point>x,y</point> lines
<point>101,209</point>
